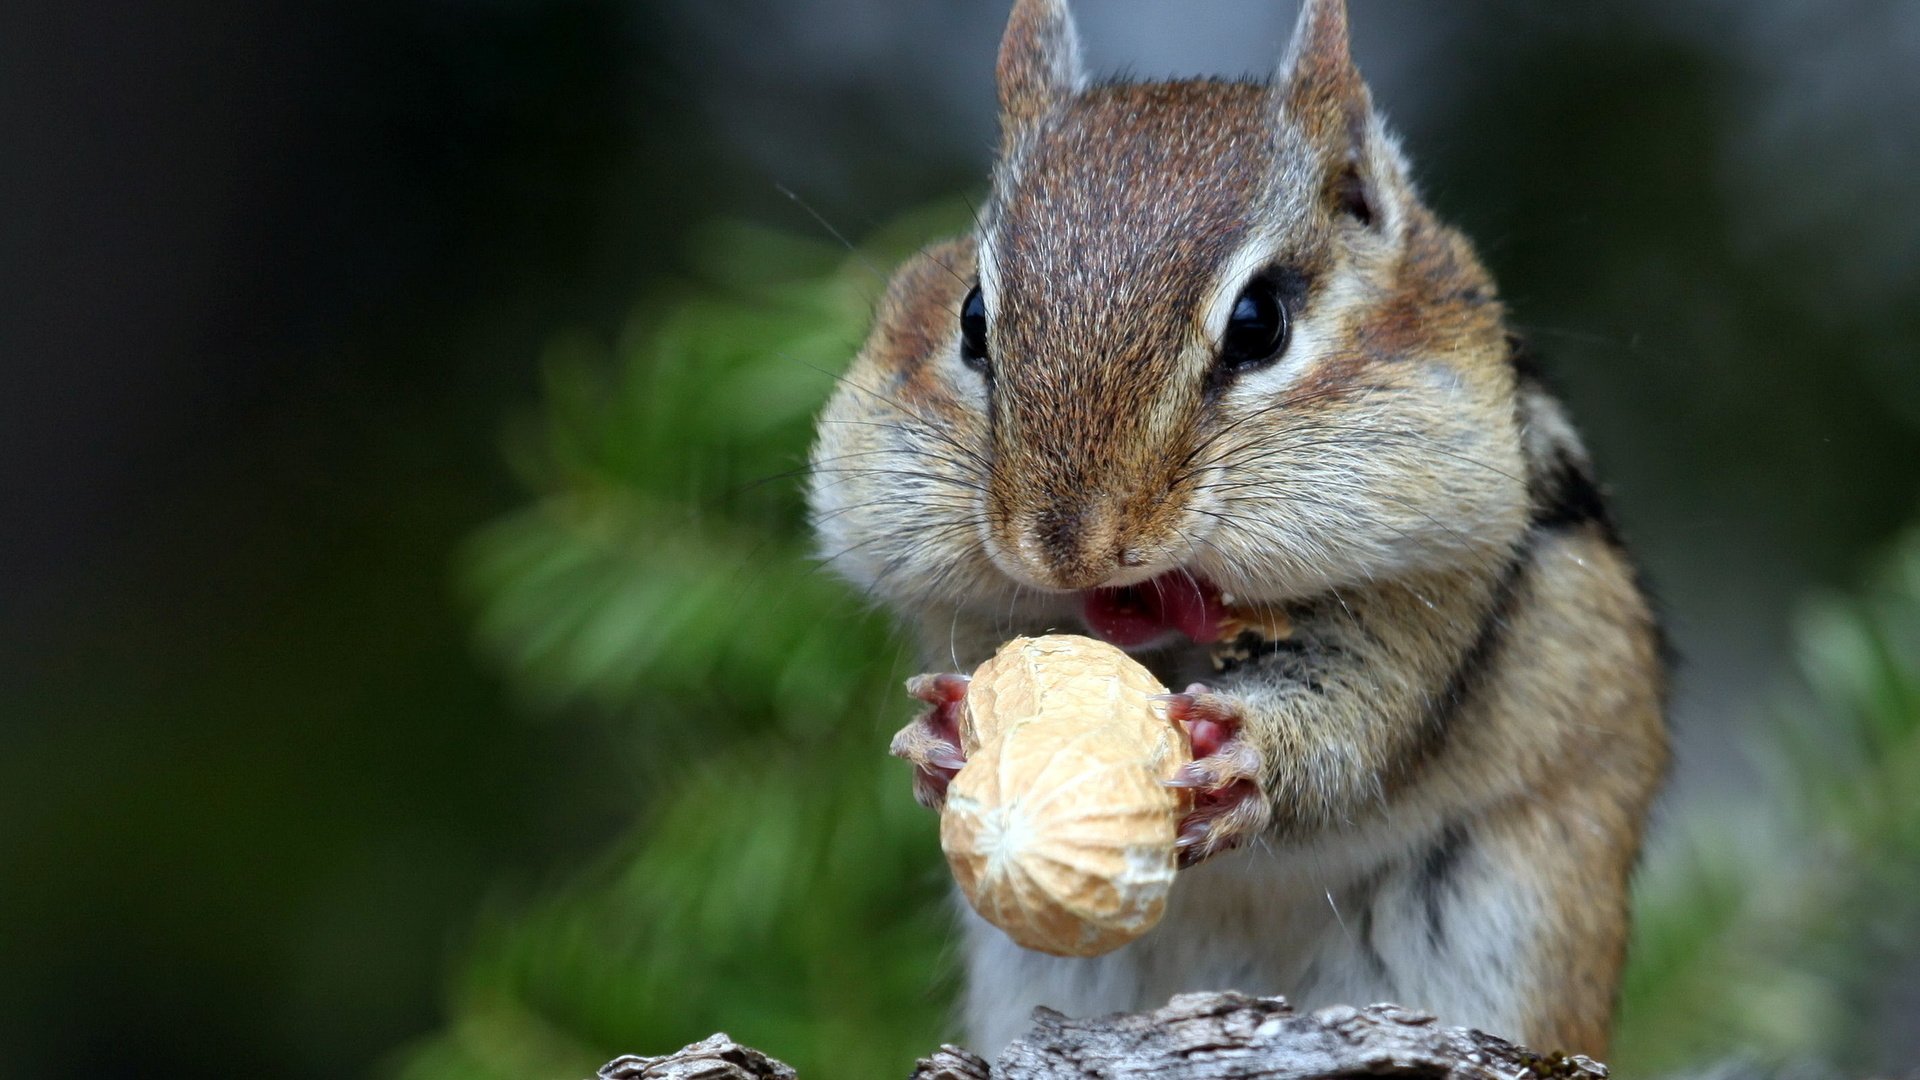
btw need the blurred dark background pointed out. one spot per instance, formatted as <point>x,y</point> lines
<point>275,278</point>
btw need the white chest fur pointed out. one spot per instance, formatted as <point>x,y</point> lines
<point>1344,923</point>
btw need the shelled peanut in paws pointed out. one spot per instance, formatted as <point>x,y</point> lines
<point>1060,828</point>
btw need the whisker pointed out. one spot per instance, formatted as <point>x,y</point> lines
<point>821,220</point>
<point>925,426</point>
<point>907,474</point>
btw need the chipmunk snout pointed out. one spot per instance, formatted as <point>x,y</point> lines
<point>1074,543</point>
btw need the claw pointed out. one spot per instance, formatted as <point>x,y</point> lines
<point>1209,721</point>
<point>1190,776</point>
<point>1184,700</point>
<point>1178,705</point>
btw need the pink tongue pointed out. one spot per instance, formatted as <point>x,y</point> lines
<point>1140,613</point>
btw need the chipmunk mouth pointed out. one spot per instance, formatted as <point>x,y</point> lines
<point>1135,616</point>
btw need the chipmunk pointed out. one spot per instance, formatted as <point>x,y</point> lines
<point>1208,351</point>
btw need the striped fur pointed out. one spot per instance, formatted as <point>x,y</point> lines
<point>1457,748</point>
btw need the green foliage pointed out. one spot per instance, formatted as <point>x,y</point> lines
<point>780,884</point>
<point>1761,933</point>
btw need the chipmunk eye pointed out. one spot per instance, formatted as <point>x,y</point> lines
<point>973,330</point>
<point>1257,329</point>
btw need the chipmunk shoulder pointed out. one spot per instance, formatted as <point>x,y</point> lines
<point>1208,351</point>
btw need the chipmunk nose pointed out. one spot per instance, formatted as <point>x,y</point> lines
<point>1073,545</point>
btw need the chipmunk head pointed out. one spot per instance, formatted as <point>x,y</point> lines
<point>1203,327</point>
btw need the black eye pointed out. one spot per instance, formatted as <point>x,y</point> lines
<point>1257,329</point>
<point>973,330</point>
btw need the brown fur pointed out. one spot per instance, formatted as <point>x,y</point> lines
<point>1118,216</point>
<point>1455,751</point>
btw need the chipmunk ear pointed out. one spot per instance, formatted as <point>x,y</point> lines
<point>1320,94</point>
<point>1318,74</point>
<point>1039,64</point>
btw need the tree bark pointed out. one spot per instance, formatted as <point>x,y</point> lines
<point>1195,1037</point>
<point>714,1058</point>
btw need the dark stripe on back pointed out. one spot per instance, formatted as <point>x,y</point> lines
<point>1561,490</point>
<point>1565,496</point>
<point>1525,362</point>
<point>1474,664</point>
<point>1434,876</point>
<point>1365,895</point>
<point>1368,950</point>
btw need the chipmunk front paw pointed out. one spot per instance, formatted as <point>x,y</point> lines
<point>932,741</point>
<point>1230,804</point>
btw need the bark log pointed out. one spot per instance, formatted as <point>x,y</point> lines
<point>1195,1037</point>
<point>714,1058</point>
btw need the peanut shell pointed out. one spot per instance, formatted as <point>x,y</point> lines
<point>1058,829</point>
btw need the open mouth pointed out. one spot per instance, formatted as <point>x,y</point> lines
<point>1142,614</point>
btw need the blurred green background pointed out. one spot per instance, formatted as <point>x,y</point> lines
<point>413,665</point>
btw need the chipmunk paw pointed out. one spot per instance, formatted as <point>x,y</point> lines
<point>931,743</point>
<point>1230,803</point>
